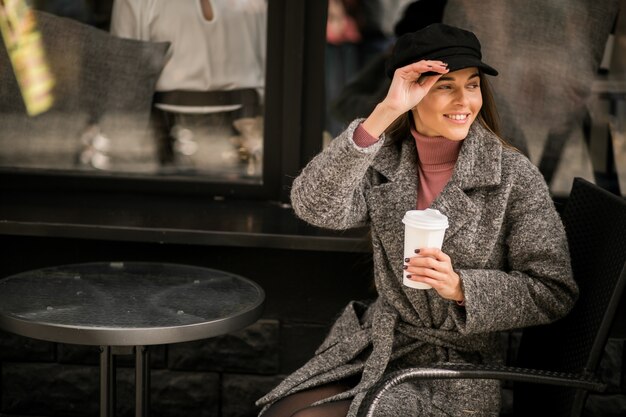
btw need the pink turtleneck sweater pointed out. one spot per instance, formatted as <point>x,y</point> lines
<point>436,159</point>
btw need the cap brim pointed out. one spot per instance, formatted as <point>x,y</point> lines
<point>455,63</point>
<point>459,62</point>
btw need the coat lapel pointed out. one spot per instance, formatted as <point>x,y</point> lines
<point>396,194</point>
<point>478,166</point>
<point>463,199</point>
<point>459,208</point>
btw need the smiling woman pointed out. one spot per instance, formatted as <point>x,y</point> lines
<point>503,265</point>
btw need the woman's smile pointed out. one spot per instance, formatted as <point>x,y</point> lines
<point>458,118</point>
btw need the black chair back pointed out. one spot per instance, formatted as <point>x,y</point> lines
<point>595,222</point>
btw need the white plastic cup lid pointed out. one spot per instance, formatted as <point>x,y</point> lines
<point>429,219</point>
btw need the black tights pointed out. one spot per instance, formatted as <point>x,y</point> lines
<point>299,404</point>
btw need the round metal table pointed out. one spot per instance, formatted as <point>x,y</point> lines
<point>125,306</point>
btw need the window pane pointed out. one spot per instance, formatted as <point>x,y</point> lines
<point>205,59</point>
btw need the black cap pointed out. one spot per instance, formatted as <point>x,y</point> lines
<point>458,48</point>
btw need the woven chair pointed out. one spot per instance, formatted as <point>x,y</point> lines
<point>556,364</point>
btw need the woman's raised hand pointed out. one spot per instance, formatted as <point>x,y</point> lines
<point>408,87</point>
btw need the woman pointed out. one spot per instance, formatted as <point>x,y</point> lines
<point>504,262</point>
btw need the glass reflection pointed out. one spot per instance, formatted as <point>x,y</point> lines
<point>152,87</point>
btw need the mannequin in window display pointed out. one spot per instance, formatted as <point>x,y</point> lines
<point>214,76</point>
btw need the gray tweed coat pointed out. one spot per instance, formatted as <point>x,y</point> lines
<point>506,242</point>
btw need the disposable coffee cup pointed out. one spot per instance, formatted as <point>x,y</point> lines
<point>422,229</point>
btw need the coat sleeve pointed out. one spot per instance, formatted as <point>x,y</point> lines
<point>328,192</point>
<point>538,286</point>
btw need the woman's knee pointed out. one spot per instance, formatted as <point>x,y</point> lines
<point>331,409</point>
<point>292,404</point>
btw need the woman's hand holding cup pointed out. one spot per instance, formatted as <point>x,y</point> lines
<point>433,267</point>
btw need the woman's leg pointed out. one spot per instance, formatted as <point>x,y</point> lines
<point>332,409</point>
<point>289,406</point>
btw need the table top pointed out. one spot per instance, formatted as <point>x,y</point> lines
<point>127,303</point>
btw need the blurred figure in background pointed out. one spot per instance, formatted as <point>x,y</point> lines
<point>342,52</point>
<point>214,74</point>
<point>354,36</point>
<point>541,107</point>
<point>369,86</point>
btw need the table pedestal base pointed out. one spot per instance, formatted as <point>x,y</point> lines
<point>108,379</point>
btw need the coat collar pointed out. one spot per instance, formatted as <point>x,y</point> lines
<point>478,165</point>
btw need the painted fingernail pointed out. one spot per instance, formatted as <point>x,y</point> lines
<point>408,276</point>
<point>405,266</point>
<point>407,260</point>
<point>417,251</point>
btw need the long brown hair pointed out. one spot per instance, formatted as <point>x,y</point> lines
<point>488,116</point>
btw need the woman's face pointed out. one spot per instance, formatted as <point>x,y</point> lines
<point>451,105</point>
